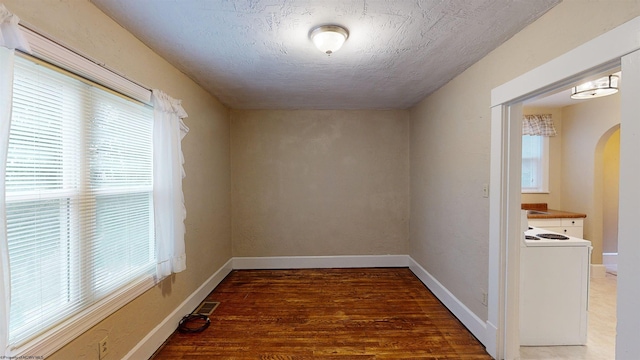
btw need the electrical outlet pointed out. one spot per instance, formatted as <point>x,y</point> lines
<point>485,190</point>
<point>103,347</point>
<point>485,298</point>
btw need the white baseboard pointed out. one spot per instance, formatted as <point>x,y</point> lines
<point>491,339</point>
<point>319,262</point>
<point>150,343</point>
<point>148,346</point>
<point>610,258</point>
<point>610,262</point>
<point>477,326</point>
<point>598,271</point>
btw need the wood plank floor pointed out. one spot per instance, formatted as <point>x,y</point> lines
<point>326,314</point>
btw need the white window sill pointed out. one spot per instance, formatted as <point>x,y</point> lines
<point>54,339</point>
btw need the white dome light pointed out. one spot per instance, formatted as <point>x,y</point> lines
<point>329,38</point>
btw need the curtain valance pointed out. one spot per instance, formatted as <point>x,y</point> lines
<point>541,125</point>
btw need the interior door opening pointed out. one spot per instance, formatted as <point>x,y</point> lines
<point>615,48</point>
<point>575,120</point>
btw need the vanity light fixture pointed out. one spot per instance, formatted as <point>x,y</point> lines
<point>329,38</point>
<point>600,87</point>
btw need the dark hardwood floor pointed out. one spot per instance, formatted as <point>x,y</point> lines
<point>326,314</point>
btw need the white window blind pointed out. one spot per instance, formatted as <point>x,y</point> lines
<point>78,196</point>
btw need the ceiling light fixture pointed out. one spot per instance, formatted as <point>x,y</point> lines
<point>600,87</point>
<point>329,38</point>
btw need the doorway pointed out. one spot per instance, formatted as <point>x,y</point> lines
<point>617,47</point>
<point>582,179</point>
<point>608,173</point>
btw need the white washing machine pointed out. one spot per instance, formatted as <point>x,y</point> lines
<point>554,289</point>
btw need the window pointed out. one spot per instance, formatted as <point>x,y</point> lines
<point>79,196</point>
<point>535,164</point>
<point>92,207</point>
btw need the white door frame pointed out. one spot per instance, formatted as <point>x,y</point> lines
<point>603,53</point>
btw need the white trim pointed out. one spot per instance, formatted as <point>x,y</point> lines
<point>628,291</point>
<point>610,258</point>
<point>476,325</point>
<point>610,262</point>
<point>154,339</point>
<point>319,262</point>
<point>51,52</point>
<point>491,338</point>
<point>497,253</point>
<point>54,339</point>
<point>600,54</point>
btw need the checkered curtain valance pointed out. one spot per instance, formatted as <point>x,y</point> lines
<point>541,125</point>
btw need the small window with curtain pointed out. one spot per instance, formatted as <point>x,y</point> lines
<point>79,195</point>
<point>536,130</point>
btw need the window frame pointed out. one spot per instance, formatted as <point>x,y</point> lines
<point>543,169</point>
<point>52,340</point>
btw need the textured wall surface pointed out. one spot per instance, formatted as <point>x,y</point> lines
<point>450,138</point>
<point>206,149</point>
<point>319,182</point>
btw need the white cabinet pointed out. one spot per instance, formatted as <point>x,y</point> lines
<point>554,288</point>
<point>567,226</point>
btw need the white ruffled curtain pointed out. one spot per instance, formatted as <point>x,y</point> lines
<point>168,199</point>
<point>541,125</point>
<point>10,34</point>
<point>169,209</point>
<point>10,38</point>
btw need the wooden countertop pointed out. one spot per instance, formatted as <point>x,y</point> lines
<point>554,214</point>
<point>549,213</point>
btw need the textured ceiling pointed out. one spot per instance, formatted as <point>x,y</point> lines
<point>256,54</point>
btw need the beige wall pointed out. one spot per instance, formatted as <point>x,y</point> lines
<point>584,167</point>
<point>587,127</point>
<point>586,164</point>
<point>206,148</point>
<point>326,182</point>
<point>450,137</point>
<point>319,182</point>
<point>553,198</point>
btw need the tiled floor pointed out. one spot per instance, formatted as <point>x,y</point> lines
<point>601,331</point>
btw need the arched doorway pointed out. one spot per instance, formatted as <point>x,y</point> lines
<point>606,194</point>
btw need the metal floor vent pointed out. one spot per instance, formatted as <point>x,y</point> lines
<point>206,308</point>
